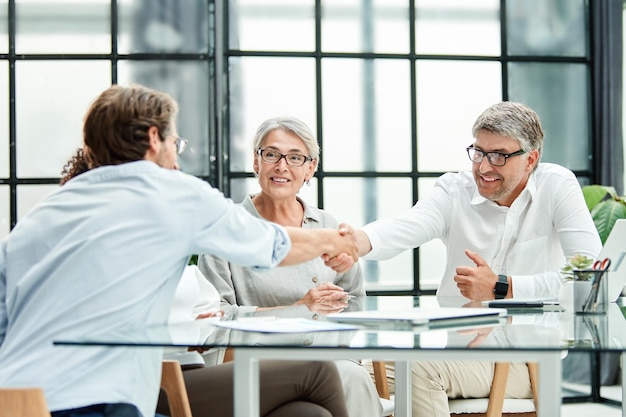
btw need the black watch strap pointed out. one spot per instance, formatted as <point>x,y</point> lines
<point>502,287</point>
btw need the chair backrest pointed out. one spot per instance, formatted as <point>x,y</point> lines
<point>23,402</point>
<point>499,406</point>
<point>495,405</point>
<point>173,384</point>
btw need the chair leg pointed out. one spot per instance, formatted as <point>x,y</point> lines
<point>23,402</point>
<point>380,379</point>
<point>533,374</point>
<point>498,388</point>
<point>173,384</point>
<point>229,355</point>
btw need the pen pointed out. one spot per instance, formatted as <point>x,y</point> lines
<point>522,304</point>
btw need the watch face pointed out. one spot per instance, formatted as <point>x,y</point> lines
<point>501,288</point>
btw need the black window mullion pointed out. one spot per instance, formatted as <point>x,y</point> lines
<point>12,119</point>
<point>504,59</point>
<point>318,101</point>
<point>114,52</point>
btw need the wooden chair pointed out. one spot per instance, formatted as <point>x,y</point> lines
<point>173,384</point>
<point>23,402</point>
<point>31,402</point>
<point>495,404</point>
<point>380,380</point>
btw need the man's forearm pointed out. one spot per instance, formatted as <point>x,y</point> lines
<point>309,244</point>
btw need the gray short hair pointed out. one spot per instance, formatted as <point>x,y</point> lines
<point>514,120</point>
<point>289,124</point>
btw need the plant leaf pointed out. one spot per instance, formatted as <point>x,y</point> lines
<point>605,214</point>
<point>594,194</point>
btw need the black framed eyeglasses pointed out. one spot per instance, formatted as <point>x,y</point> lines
<point>293,159</point>
<point>497,159</point>
<point>181,145</point>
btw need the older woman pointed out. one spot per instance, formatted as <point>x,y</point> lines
<point>286,156</point>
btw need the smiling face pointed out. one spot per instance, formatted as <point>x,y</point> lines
<point>279,180</point>
<point>502,184</point>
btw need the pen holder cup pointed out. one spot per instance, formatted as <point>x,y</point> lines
<point>590,291</point>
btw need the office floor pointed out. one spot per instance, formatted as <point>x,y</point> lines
<point>587,409</point>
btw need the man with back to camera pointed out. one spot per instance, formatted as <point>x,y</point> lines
<point>506,226</point>
<point>105,253</point>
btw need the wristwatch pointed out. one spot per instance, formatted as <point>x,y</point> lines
<point>502,287</point>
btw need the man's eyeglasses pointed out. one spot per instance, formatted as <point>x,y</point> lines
<point>293,159</point>
<point>181,145</point>
<point>497,159</point>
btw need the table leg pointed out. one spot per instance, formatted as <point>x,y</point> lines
<point>246,384</point>
<point>403,395</point>
<point>549,387</point>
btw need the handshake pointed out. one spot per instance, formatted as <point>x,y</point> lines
<point>339,248</point>
<point>346,247</point>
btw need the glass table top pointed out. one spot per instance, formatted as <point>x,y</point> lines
<point>519,329</point>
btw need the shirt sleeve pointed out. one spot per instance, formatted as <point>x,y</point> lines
<point>425,221</point>
<point>217,272</point>
<point>227,230</point>
<point>576,232</point>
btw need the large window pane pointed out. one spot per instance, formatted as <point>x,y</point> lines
<point>358,201</point>
<point>366,114</point>
<point>450,96</point>
<point>28,196</point>
<point>241,187</point>
<point>4,120</point>
<point>433,253</point>
<point>5,221</point>
<point>559,93</point>
<point>547,27</point>
<point>453,27</point>
<point>4,27</point>
<point>261,88</point>
<point>163,26</point>
<point>62,26</point>
<point>358,26</point>
<point>187,82</point>
<point>275,25</point>
<point>51,100</point>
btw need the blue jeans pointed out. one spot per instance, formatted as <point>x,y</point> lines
<point>100,410</point>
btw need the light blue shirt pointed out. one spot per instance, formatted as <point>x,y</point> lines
<point>105,252</point>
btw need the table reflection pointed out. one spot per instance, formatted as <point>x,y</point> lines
<point>531,329</point>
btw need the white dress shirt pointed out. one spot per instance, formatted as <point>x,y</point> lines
<point>528,241</point>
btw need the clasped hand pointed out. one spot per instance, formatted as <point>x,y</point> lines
<point>325,298</point>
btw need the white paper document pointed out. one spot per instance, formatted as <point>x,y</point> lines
<point>433,317</point>
<point>284,325</point>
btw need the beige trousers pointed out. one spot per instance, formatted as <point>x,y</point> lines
<point>436,381</point>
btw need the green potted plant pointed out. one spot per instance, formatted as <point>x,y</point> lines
<point>605,207</point>
<point>577,267</point>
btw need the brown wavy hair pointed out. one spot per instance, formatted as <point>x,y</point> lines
<point>76,165</point>
<point>115,129</point>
